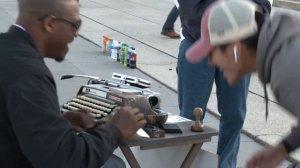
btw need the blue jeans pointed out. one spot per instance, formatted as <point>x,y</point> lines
<point>171,19</point>
<point>195,83</point>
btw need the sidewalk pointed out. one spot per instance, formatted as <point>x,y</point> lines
<point>138,23</point>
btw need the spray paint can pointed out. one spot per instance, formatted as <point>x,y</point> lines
<point>125,55</point>
<point>118,48</point>
<point>114,51</point>
<point>109,47</point>
<point>122,53</point>
<point>128,57</point>
<point>105,43</point>
<point>133,58</point>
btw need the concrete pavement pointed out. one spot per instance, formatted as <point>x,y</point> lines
<point>138,23</point>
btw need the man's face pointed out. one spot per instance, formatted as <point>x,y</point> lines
<point>223,58</point>
<point>65,28</point>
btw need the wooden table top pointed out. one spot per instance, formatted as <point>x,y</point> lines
<point>172,139</point>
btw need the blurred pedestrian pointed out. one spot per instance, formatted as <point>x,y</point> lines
<point>168,27</point>
<point>195,82</point>
<point>239,39</point>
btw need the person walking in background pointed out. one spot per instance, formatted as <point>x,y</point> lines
<point>168,27</point>
<point>253,41</point>
<point>195,82</point>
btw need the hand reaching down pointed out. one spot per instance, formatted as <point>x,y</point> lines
<point>128,120</point>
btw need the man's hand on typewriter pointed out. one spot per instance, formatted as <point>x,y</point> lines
<point>128,120</point>
<point>80,119</point>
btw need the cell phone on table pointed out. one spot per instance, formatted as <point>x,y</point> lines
<point>171,128</point>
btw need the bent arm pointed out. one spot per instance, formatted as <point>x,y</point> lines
<point>45,138</point>
<point>286,89</point>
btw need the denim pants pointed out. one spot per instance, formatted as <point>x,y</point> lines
<point>171,19</point>
<point>195,83</point>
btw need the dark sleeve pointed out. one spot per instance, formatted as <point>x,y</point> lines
<point>288,96</point>
<point>285,82</point>
<point>45,137</point>
<point>265,4</point>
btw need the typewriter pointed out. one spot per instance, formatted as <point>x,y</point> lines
<point>101,96</point>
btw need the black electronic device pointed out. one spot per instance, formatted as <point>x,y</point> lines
<point>171,128</point>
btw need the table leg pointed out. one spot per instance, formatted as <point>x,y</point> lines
<point>187,162</point>
<point>130,157</point>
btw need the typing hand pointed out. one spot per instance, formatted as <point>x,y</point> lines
<point>128,120</point>
<point>80,119</point>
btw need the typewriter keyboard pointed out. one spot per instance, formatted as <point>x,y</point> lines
<point>99,107</point>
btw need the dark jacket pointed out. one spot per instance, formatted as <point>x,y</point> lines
<point>278,63</point>
<point>191,11</point>
<point>32,131</point>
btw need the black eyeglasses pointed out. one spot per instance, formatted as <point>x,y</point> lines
<point>76,25</point>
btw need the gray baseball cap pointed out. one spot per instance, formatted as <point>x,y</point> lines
<point>223,22</point>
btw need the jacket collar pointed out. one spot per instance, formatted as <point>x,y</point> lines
<point>22,35</point>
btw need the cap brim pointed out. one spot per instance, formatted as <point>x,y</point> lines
<point>198,51</point>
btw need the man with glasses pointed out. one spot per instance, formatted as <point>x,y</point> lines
<point>76,25</point>
<point>33,132</point>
